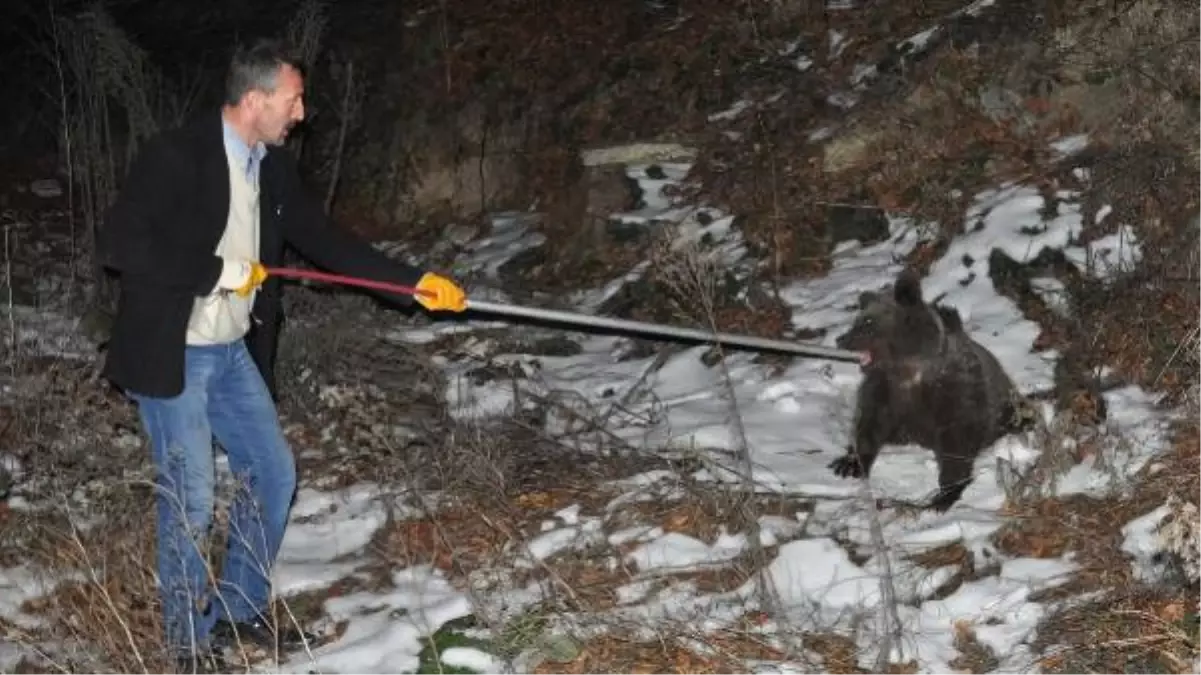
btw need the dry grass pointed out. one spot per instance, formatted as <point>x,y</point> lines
<point>479,533</point>
<point>104,611</point>
<point>725,653</point>
<point>1145,325</point>
<point>923,142</point>
<point>951,555</point>
<point>111,97</point>
<point>1135,626</point>
<point>1130,630</point>
<point>974,657</point>
<point>908,150</point>
<point>839,654</point>
<point>106,617</point>
<point>1129,68</point>
<point>458,540</point>
<point>1090,527</point>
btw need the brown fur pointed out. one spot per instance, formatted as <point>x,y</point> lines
<point>928,383</point>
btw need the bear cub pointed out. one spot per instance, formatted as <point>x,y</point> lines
<point>926,382</point>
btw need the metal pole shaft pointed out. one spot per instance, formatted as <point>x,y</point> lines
<point>755,343</point>
<point>577,319</point>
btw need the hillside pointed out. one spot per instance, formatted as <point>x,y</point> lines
<point>485,495</point>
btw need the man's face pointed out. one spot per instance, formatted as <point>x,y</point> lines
<point>276,113</point>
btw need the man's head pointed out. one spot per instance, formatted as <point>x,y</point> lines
<point>264,91</point>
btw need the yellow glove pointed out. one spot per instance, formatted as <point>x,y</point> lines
<point>258,274</point>
<point>444,294</point>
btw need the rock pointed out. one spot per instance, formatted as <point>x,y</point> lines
<point>24,291</point>
<point>46,188</point>
<point>460,234</point>
<point>610,190</point>
<point>456,165</point>
<point>578,216</point>
<point>522,265</point>
<point>633,349</point>
<point>555,346</point>
<point>96,324</point>
<point>641,299</point>
<point>637,153</point>
<point>496,373</point>
<point>464,188</point>
<point>559,648</point>
<point>11,472</point>
<point>1001,104</point>
<point>624,232</point>
<point>847,222</point>
<point>923,99</point>
<point>848,150</point>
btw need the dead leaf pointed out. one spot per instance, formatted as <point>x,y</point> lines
<point>1172,612</point>
<point>677,522</point>
<point>536,500</point>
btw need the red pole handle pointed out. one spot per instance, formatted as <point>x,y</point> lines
<point>345,280</point>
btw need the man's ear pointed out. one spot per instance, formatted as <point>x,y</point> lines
<point>253,100</point>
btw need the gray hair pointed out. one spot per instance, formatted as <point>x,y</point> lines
<point>256,66</point>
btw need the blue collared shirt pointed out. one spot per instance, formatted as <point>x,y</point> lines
<point>243,154</point>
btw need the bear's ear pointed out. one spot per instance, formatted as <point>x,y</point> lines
<point>867,298</point>
<point>908,289</point>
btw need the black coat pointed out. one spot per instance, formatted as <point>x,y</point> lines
<point>161,234</point>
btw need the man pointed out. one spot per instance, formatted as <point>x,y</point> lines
<point>205,208</point>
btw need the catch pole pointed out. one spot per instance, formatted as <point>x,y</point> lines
<point>663,330</point>
<point>578,319</point>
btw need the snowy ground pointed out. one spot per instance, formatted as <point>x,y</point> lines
<point>795,423</point>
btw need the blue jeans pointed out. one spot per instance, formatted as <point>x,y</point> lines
<point>224,396</point>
